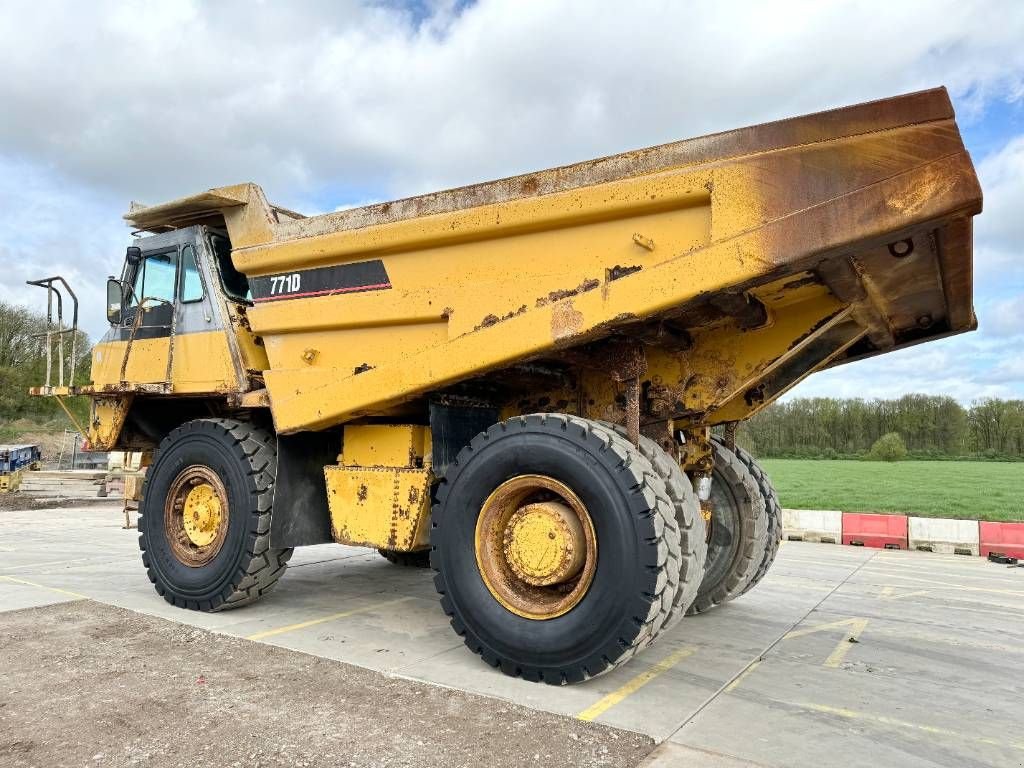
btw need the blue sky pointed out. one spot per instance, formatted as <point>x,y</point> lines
<point>332,103</point>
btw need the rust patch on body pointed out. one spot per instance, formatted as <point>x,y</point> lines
<point>566,321</point>
<point>618,272</point>
<point>587,285</point>
<point>490,320</point>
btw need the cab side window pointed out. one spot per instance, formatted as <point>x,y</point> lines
<point>191,282</point>
<point>234,283</point>
<point>155,278</point>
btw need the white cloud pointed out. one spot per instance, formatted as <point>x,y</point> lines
<point>1005,317</point>
<point>49,227</point>
<point>162,99</point>
<point>329,103</point>
<point>999,231</point>
<point>967,368</point>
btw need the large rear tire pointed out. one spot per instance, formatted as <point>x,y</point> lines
<point>626,592</point>
<point>204,524</point>
<point>693,545</point>
<point>739,531</point>
<point>773,509</point>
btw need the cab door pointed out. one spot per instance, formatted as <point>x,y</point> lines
<point>148,317</point>
<point>203,358</point>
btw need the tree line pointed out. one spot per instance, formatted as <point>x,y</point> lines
<point>23,365</point>
<point>931,427</point>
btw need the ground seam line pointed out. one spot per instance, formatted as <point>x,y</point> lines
<point>761,656</point>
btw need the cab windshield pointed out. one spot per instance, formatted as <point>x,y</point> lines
<point>154,278</point>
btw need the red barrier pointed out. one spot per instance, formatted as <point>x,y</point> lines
<point>1004,538</point>
<point>880,531</point>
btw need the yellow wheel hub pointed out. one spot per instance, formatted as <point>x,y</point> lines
<point>535,547</point>
<point>202,513</point>
<point>196,514</point>
<point>544,543</point>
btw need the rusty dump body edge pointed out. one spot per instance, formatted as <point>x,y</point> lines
<point>715,273</point>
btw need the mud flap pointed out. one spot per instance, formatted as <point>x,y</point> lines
<point>300,514</point>
<point>452,425</point>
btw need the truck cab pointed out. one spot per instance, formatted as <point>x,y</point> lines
<point>178,327</point>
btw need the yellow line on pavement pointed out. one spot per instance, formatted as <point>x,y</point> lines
<point>850,714</point>
<point>49,562</point>
<point>854,627</point>
<point>323,619</point>
<point>634,685</point>
<point>958,587</point>
<point>43,586</point>
<point>742,676</point>
<point>843,646</point>
<point>841,623</point>
<point>889,593</point>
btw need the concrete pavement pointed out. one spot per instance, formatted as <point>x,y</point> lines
<point>841,655</point>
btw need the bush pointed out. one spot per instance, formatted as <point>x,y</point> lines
<point>889,447</point>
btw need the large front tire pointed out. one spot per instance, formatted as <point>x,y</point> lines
<point>204,525</point>
<point>629,594</point>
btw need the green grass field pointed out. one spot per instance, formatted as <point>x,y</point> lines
<point>964,489</point>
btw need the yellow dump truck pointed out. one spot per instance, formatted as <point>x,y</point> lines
<point>518,383</point>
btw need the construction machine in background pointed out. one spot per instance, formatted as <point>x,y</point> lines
<point>516,382</point>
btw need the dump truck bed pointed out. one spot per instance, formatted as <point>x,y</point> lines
<point>741,261</point>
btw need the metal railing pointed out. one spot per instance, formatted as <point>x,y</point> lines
<point>55,330</point>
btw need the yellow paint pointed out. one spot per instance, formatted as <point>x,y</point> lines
<point>201,516</point>
<point>853,626</point>
<point>851,714</point>
<point>537,572</point>
<point>544,543</point>
<point>10,481</point>
<point>383,507</point>
<point>107,415</point>
<point>838,655</point>
<point>674,241</point>
<point>742,676</point>
<point>67,412</point>
<point>202,363</point>
<point>250,347</point>
<point>960,587</point>
<point>28,583</point>
<point>889,593</point>
<point>620,694</point>
<point>373,445</point>
<point>625,201</point>
<point>324,619</point>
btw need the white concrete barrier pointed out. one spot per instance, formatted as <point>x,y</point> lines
<point>817,525</point>
<point>945,536</point>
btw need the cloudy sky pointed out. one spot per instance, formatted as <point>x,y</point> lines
<point>331,103</point>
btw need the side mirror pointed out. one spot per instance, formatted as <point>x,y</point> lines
<point>133,255</point>
<point>115,300</point>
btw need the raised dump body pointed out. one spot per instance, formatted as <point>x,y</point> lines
<point>385,353</point>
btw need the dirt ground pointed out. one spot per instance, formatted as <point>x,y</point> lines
<point>21,501</point>
<point>84,683</point>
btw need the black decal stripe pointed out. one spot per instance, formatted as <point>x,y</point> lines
<point>321,281</point>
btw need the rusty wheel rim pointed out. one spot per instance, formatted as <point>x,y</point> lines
<point>196,515</point>
<point>535,547</point>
